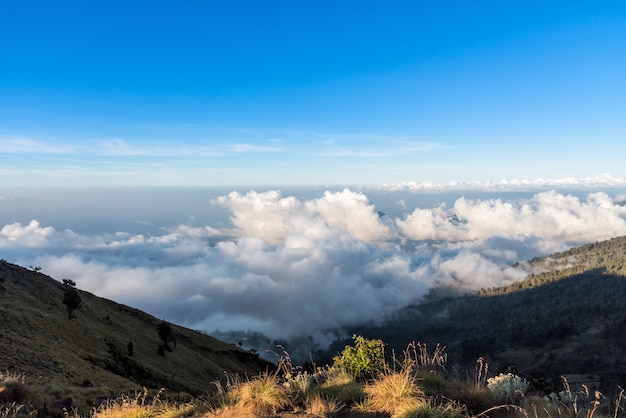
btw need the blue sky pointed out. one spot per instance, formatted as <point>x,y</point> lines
<point>310,92</point>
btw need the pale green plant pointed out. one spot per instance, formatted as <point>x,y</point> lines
<point>298,385</point>
<point>507,388</point>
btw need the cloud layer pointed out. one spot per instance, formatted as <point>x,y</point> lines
<point>292,267</point>
<point>601,181</point>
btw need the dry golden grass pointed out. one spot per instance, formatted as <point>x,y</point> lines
<point>264,394</point>
<point>393,392</point>
<point>321,406</point>
<point>139,406</point>
<point>13,387</point>
<point>428,409</point>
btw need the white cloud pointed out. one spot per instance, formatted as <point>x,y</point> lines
<point>293,267</point>
<point>275,218</point>
<point>601,181</point>
<point>549,215</point>
<point>31,235</point>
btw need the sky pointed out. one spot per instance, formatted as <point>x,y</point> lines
<point>246,93</point>
<point>297,168</point>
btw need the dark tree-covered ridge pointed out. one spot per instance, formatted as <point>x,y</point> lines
<point>568,318</point>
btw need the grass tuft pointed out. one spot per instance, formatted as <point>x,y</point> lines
<point>264,394</point>
<point>13,388</point>
<point>393,392</point>
<point>322,407</point>
<point>429,410</point>
<point>340,385</point>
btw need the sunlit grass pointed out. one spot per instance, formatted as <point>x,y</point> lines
<point>340,385</point>
<point>427,409</point>
<point>264,394</point>
<point>321,406</point>
<point>393,392</point>
<point>415,388</point>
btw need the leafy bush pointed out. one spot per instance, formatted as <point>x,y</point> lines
<point>507,388</point>
<point>364,360</point>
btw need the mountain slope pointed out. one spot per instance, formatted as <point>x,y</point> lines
<point>86,359</point>
<point>568,319</point>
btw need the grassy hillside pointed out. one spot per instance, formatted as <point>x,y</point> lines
<point>87,359</point>
<point>568,319</point>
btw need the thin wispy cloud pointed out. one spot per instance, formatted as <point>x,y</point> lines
<point>370,146</point>
<point>118,147</point>
<point>23,145</point>
<point>252,148</point>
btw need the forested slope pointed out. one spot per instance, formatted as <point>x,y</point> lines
<point>568,318</point>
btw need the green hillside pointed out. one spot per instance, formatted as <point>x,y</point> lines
<point>105,350</point>
<point>568,318</point>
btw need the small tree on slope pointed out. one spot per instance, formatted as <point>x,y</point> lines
<point>71,298</point>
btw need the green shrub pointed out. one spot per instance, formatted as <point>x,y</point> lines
<point>364,360</point>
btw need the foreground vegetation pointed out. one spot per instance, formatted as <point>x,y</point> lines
<point>363,381</point>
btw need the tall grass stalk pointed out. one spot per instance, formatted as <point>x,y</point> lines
<point>10,410</point>
<point>418,352</point>
<point>618,402</point>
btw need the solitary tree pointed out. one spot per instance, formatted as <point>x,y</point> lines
<point>71,298</point>
<point>166,335</point>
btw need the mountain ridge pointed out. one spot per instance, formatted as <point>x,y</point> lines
<point>567,318</point>
<point>105,350</point>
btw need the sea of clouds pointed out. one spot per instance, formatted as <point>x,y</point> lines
<point>293,267</point>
